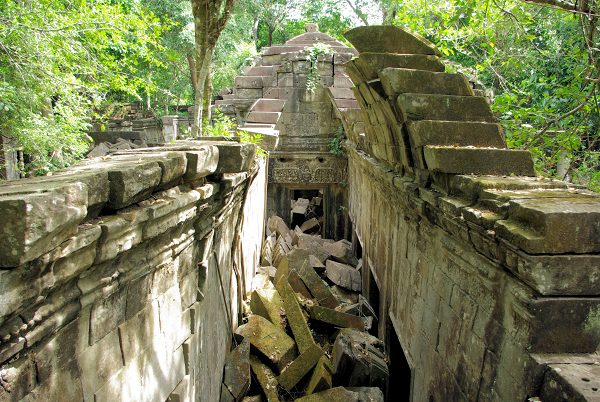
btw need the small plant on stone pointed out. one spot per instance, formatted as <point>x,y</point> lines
<point>252,138</point>
<point>312,58</point>
<point>336,144</point>
<point>221,125</point>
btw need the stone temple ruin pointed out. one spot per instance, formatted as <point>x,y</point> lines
<point>130,277</point>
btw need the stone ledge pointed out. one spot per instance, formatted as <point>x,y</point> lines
<point>397,81</point>
<point>389,39</point>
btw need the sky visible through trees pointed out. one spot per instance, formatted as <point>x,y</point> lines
<point>65,64</point>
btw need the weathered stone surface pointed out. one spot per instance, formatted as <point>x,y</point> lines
<point>358,360</point>
<point>444,107</point>
<point>337,394</point>
<point>201,162</point>
<point>344,275</point>
<point>336,318</point>
<point>295,316</point>
<point>571,382</point>
<point>485,161</point>
<point>284,271</point>
<point>268,304</point>
<point>396,81</point>
<point>277,225</point>
<point>370,64</point>
<point>553,225</point>
<point>17,379</point>
<point>389,39</point>
<point>341,251</point>
<point>234,158</point>
<point>316,264</point>
<point>236,375</point>
<point>310,225</point>
<point>292,374</point>
<point>299,262</point>
<point>266,379</point>
<point>461,133</point>
<point>314,245</point>
<point>37,220</point>
<point>269,340</point>
<point>321,378</point>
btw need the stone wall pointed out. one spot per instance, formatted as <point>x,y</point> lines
<point>487,275</point>
<point>122,277</point>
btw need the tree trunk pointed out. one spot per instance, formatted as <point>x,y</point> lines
<point>255,32</point>
<point>271,35</point>
<point>206,113</point>
<point>192,65</point>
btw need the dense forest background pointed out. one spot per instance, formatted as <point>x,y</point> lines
<point>67,63</point>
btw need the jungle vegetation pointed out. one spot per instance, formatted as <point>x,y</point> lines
<point>65,64</point>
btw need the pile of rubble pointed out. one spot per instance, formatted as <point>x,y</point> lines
<point>308,214</point>
<point>121,144</point>
<point>306,334</point>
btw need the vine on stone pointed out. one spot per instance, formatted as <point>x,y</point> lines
<point>312,58</point>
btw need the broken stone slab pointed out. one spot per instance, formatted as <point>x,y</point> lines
<point>268,304</point>
<point>234,157</point>
<point>299,262</point>
<point>461,133</point>
<point>310,225</point>
<point>38,218</point>
<point>358,360</point>
<point>296,370</point>
<point>484,161</point>
<point>201,162</point>
<point>266,379</point>
<point>357,394</point>
<point>316,264</point>
<point>321,378</point>
<point>262,282</point>
<point>284,271</point>
<point>341,251</point>
<point>130,183</point>
<point>314,245</point>
<point>389,39</point>
<point>444,107</point>
<point>553,225</point>
<point>295,316</point>
<point>236,374</point>
<point>370,64</point>
<point>336,318</point>
<point>396,81</point>
<point>277,225</point>
<point>268,339</point>
<point>344,295</point>
<point>344,275</point>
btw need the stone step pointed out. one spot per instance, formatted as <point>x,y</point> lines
<point>397,81</point>
<point>444,107</point>
<point>347,104</point>
<point>257,125</point>
<point>263,117</point>
<point>461,133</point>
<point>369,64</point>
<point>342,93</point>
<point>389,39</point>
<point>342,81</point>
<point>247,93</point>
<point>268,105</point>
<point>483,161</point>
<point>260,71</point>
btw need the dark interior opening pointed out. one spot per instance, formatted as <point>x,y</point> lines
<point>373,290</point>
<point>314,209</point>
<point>399,382</point>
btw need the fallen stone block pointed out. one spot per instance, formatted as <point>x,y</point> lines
<point>295,316</point>
<point>277,225</point>
<point>130,183</point>
<point>234,157</point>
<point>283,271</point>
<point>262,281</point>
<point>370,64</point>
<point>397,81</point>
<point>299,262</point>
<point>341,251</point>
<point>37,219</point>
<point>236,375</point>
<point>268,339</point>
<point>311,225</point>
<point>266,379</point>
<point>336,318</point>
<point>344,295</point>
<point>321,378</point>
<point>201,162</point>
<point>344,275</point>
<point>314,245</point>
<point>359,394</point>
<point>358,360</point>
<point>253,398</point>
<point>292,374</point>
<point>268,304</point>
<point>444,107</point>
<point>316,264</point>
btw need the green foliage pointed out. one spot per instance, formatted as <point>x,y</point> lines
<point>253,138</point>
<point>336,144</point>
<point>313,54</point>
<point>221,125</point>
<point>58,62</point>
